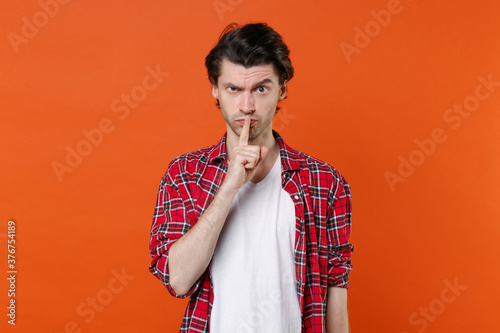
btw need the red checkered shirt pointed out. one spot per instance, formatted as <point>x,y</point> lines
<point>322,201</point>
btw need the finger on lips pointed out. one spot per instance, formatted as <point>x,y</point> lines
<point>245,132</point>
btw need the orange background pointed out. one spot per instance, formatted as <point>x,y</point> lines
<point>439,226</point>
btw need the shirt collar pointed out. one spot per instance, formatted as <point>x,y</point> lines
<point>290,159</point>
<point>218,151</point>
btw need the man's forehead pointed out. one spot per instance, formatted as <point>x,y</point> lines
<point>230,70</point>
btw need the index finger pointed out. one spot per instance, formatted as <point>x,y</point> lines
<point>245,132</point>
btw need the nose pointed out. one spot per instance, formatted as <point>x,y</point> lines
<point>247,103</point>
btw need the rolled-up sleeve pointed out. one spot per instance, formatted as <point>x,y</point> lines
<point>170,222</point>
<point>339,231</point>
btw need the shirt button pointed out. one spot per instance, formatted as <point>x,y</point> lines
<point>296,197</point>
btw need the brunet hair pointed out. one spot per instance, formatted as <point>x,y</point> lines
<point>250,45</point>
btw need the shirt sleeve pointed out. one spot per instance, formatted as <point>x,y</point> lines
<point>170,222</point>
<point>339,231</point>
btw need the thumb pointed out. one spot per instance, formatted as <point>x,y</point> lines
<point>263,153</point>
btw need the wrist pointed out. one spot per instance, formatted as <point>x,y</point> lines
<point>228,188</point>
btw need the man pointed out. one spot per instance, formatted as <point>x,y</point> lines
<point>255,232</point>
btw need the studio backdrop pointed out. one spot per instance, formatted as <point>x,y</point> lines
<point>96,98</point>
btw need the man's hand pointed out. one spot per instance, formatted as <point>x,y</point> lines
<point>190,255</point>
<point>246,159</point>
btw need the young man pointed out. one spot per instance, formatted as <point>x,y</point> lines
<point>255,232</point>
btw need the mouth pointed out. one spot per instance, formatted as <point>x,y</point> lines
<point>241,122</point>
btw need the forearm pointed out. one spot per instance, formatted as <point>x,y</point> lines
<point>336,311</point>
<point>190,255</point>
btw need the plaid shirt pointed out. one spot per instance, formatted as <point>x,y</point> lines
<point>322,201</point>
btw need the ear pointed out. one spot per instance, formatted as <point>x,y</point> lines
<point>215,91</point>
<point>282,93</point>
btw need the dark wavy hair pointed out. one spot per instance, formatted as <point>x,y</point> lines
<point>250,45</point>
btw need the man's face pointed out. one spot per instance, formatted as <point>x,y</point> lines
<point>254,91</point>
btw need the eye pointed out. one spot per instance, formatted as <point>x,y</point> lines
<point>232,89</point>
<point>262,89</point>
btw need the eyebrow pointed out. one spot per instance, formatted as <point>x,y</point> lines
<point>258,84</point>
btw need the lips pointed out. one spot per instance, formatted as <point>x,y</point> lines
<point>242,121</point>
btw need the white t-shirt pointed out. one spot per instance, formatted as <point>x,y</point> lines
<point>253,271</point>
